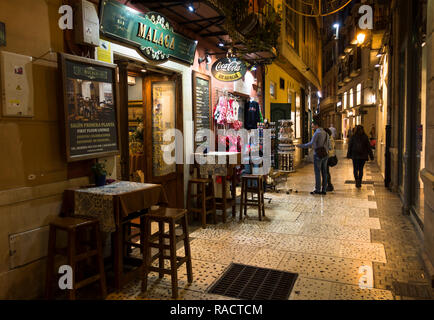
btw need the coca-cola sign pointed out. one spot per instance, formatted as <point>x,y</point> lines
<point>229,69</point>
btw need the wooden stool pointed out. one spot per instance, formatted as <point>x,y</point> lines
<point>258,190</point>
<point>136,221</point>
<point>205,194</point>
<point>170,216</point>
<point>72,226</point>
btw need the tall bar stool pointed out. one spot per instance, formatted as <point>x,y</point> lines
<point>255,185</point>
<point>72,226</point>
<point>205,196</point>
<point>171,217</point>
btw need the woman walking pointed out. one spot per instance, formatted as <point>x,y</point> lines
<point>360,151</point>
<point>332,160</point>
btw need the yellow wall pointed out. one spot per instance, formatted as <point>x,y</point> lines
<point>273,74</point>
<point>33,144</point>
<point>31,147</point>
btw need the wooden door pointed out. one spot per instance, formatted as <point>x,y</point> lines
<point>163,111</point>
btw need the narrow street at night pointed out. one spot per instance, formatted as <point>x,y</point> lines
<point>326,240</point>
<point>217,159</point>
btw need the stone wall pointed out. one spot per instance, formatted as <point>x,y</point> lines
<point>428,173</point>
<point>33,170</point>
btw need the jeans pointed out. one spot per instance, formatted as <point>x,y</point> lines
<point>329,177</point>
<point>358,166</point>
<point>320,166</point>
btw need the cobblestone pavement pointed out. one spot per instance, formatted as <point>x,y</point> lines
<point>337,244</point>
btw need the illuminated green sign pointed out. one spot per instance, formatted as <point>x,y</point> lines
<point>152,33</point>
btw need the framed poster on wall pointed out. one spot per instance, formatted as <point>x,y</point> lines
<point>90,108</point>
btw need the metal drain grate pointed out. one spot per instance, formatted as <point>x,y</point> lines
<point>363,182</point>
<point>253,283</point>
<point>412,290</point>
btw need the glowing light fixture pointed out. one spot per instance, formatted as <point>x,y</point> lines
<point>336,26</point>
<point>361,38</point>
<point>190,7</point>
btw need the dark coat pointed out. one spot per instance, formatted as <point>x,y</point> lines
<point>360,148</point>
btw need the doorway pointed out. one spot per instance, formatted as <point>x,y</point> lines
<point>151,104</point>
<point>280,111</point>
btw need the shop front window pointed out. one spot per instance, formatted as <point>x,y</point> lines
<point>345,100</point>
<point>163,118</point>
<point>359,94</point>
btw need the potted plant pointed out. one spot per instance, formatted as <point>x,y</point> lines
<point>100,173</point>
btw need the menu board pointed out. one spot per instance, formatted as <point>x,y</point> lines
<point>90,109</point>
<point>202,102</point>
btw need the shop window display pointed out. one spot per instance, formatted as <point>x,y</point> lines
<point>163,118</point>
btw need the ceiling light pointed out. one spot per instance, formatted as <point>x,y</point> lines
<point>144,70</point>
<point>423,44</point>
<point>190,7</point>
<point>377,66</point>
<point>208,59</point>
<point>379,55</point>
<point>221,44</point>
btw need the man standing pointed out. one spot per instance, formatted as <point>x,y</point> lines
<point>334,132</point>
<point>321,146</point>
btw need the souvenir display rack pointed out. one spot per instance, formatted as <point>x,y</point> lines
<point>285,146</point>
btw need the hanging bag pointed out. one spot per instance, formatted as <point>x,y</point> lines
<point>333,161</point>
<point>322,152</point>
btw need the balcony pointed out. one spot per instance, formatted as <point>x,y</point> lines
<point>250,29</point>
<point>356,63</point>
<point>253,26</point>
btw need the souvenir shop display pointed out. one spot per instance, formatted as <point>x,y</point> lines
<point>252,115</point>
<point>226,116</point>
<point>286,147</point>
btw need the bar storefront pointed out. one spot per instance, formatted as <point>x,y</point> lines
<point>117,100</point>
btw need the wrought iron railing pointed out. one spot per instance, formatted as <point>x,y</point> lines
<point>255,23</point>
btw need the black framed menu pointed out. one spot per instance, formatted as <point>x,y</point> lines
<point>90,108</point>
<point>202,108</point>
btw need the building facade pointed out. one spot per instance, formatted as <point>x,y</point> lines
<point>384,81</point>
<point>35,172</point>
<point>293,81</point>
<point>351,65</point>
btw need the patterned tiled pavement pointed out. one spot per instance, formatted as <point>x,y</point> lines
<point>335,243</point>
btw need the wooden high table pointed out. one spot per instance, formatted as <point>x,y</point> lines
<point>224,166</point>
<point>114,205</point>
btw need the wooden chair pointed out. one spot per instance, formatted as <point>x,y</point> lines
<point>72,226</point>
<point>205,197</point>
<point>171,217</point>
<point>248,183</point>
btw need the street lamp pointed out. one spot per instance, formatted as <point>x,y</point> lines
<point>361,38</point>
<point>336,26</point>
